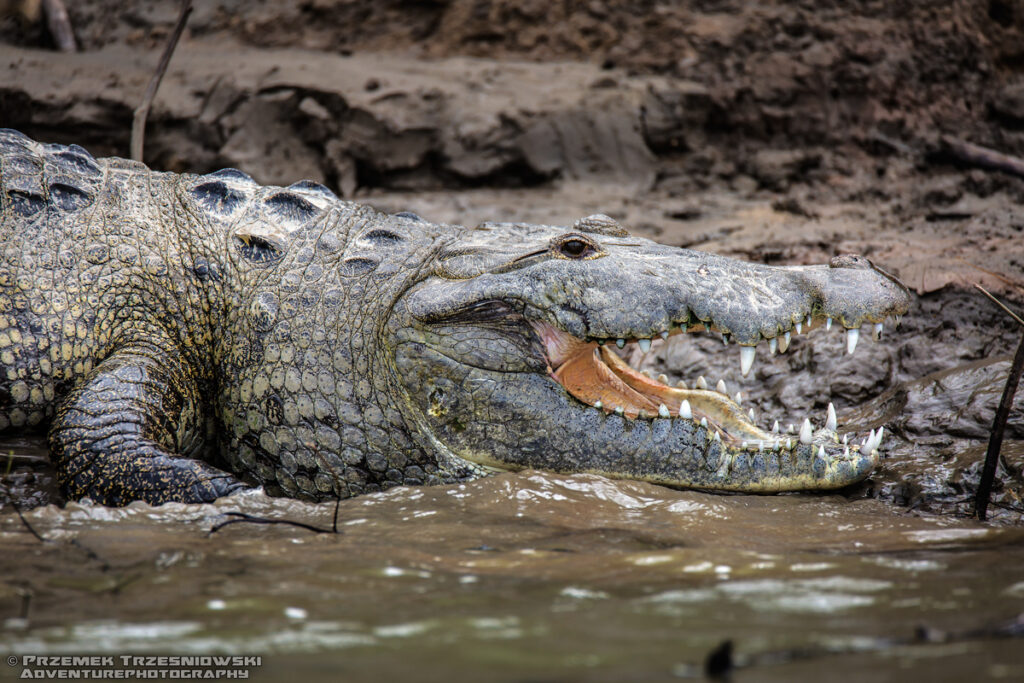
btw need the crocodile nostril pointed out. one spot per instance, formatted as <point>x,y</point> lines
<point>849,261</point>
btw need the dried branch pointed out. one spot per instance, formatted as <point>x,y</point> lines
<point>983,157</point>
<point>139,121</point>
<point>60,25</point>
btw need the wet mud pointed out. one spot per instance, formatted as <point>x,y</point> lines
<point>785,133</point>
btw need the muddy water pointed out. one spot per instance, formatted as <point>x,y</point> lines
<point>540,577</point>
<point>526,576</point>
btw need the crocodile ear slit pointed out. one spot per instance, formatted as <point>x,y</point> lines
<point>258,249</point>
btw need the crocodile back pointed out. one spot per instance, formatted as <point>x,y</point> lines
<point>89,259</point>
<point>44,191</point>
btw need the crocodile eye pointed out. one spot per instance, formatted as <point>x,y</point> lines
<point>575,247</point>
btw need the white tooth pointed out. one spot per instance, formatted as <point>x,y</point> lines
<point>760,446</point>
<point>663,378</point>
<point>619,410</point>
<point>789,444</point>
<point>702,383</point>
<point>821,452</point>
<point>743,445</point>
<point>875,441</point>
<point>704,422</point>
<point>738,397</point>
<point>647,373</point>
<point>775,427</point>
<point>878,331</point>
<point>784,343</point>
<point>620,342</point>
<point>598,404</point>
<point>846,439</point>
<point>663,411</point>
<point>897,319</point>
<point>707,328</point>
<point>830,418</point>
<point>808,321</point>
<point>725,339</point>
<point>720,387</point>
<point>747,354</point>
<point>773,345</point>
<point>806,432</point>
<point>644,344</point>
<point>664,335</point>
<point>799,327</point>
<point>751,414</point>
<point>718,437</point>
<point>852,335</point>
<point>681,384</point>
<point>684,410</point>
<point>846,451</point>
<point>789,428</point>
<point>828,324</point>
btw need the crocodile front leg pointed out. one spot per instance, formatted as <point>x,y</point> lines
<point>119,436</point>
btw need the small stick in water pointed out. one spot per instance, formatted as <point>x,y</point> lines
<point>995,442</point>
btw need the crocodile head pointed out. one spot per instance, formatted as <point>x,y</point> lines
<point>507,353</point>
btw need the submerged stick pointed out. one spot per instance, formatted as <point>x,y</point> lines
<point>983,157</point>
<point>245,518</point>
<point>139,120</point>
<point>995,442</point>
<point>27,525</point>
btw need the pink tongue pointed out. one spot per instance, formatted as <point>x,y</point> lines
<point>588,378</point>
<point>593,373</point>
<point>559,346</point>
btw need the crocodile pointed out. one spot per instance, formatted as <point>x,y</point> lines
<point>182,337</point>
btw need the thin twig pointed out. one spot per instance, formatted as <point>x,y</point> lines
<point>999,303</point>
<point>139,121</point>
<point>983,157</point>
<point>995,442</point>
<point>27,525</point>
<point>243,518</point>
<point>60,25</point>
<point>999,276</point>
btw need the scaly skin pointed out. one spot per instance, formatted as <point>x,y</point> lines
<point>179,335</point>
